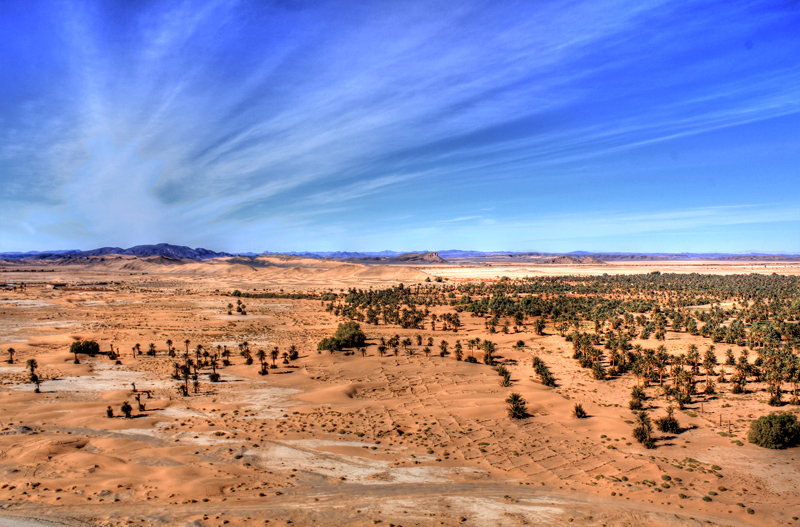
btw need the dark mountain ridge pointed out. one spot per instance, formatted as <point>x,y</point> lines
<point>183,252</point>
<point>161,249</point>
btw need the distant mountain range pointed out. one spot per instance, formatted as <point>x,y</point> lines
<point>183,252</point>
<point>161,249</point>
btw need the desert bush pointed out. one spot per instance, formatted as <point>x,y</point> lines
<point>777,430</point>
<point>668,424</point>
<point>348,335</point>
<point>635,404</point>
<point>578,411</point>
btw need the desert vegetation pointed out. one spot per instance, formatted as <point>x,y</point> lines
<point>602,385</point>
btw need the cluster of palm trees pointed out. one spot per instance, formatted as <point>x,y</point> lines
<point>203,358</point>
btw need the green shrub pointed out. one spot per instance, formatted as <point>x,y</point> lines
<point>777,430</point>
<point>578,411</point>
<point>668,424</point>
<point>349,335</point>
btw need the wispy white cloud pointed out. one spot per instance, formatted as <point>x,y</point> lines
<point>217,114</point>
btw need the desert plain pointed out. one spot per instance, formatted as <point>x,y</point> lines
<point>389,433</point>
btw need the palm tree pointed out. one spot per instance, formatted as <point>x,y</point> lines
<point>517,406</point>
<point>693,356</point>
<point>35,379</point>
<point>31,364</point>
<point>709,361</point>
<point>185,372</point>
<point>661,361</point>
<point>643,430</point>
<point>126,409</point>
<point>152,350</point>
<point>274,356</point>
<point>11,353</point>
<point>261,355</point>
<point>186,342</point>
<point>170,351</point>
<point>489,348</point>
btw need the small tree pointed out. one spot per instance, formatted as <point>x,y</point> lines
<point>75,348</point>
<point>126,409</point>
<point>349,335</point>
<point>11,353</point>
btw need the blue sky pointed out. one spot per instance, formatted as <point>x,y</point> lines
<point>334,125</point>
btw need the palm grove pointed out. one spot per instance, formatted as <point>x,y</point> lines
<point>600,317</point>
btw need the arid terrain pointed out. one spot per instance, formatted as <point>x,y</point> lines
<point>388,433</point>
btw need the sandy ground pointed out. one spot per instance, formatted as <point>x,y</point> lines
<point>498,269</point>
<point>342,440</point>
